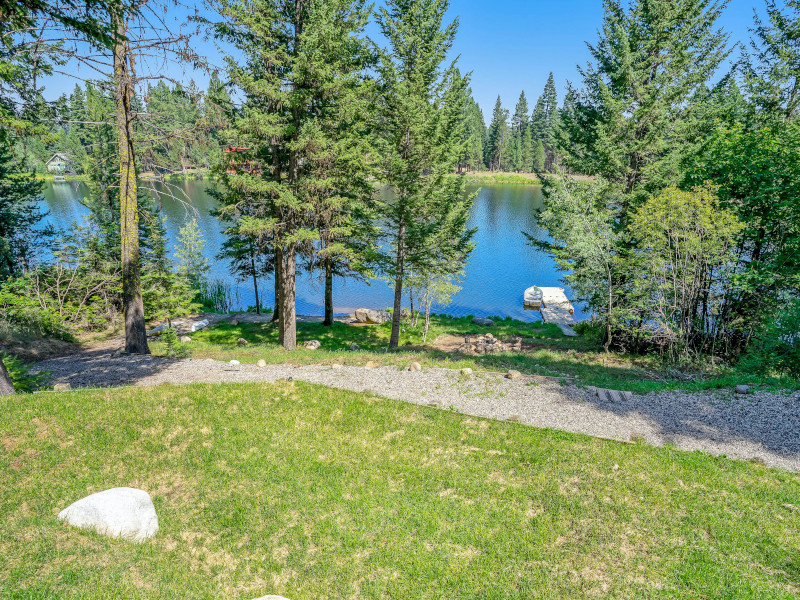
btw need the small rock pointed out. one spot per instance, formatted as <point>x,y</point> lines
<point>482,321</point>
<point>312,345</point>
<point>355,347</point>
<point>466,371</point>
<point>123,512</point>
<point>512,374</point>
<point>234,363</point>
<point>261,363</point>
<point>242,342</point>
<point>233,322</point>
<point>742,389</point>
<point>415,366</point>
<point>185,339</point>
<point>489,336</point>
<point>62,387</point>
<point>371,365</point>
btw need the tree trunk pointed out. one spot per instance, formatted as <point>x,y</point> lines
<point>328,293</point>
<point>276,318</point>
<point>135,330</point>
<point>394,341</point>
<point>255,278</point>
<point>6,387</point>
<point>288,316</point>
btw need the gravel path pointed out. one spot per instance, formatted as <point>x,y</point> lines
<point>763,426</point>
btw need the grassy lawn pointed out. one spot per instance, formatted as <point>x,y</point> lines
<point>553,354</point>
<point>314,493</point>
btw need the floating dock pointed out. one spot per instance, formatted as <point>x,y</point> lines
<point>554,305</point>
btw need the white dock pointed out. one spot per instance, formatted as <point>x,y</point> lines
<point>555,308</point>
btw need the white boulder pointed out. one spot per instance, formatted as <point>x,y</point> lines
<point>312,345</point>
<point>197,326</point>
<point>123,512</point>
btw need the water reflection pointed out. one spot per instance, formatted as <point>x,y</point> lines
<point>498,271</point>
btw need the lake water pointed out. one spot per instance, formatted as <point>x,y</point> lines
<point>500,268</point>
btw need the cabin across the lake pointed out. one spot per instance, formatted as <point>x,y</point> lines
<point>59,164</point>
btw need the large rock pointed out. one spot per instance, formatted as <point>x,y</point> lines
<point>198,325</point>
<point>122,512</point>
<point>376,317</point>
<point>185,339</point>
<point>312,345</point>
<point>482,321</point>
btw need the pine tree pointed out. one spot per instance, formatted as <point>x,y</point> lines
<point>544,120</point>
<point>648,64</point>
<point>497,138</point>
<point>295,58</point>
<point>519,129</point>
<point>420,144</point>
<point>474,136</point>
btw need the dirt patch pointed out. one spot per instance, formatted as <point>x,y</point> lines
<point>40,349</point>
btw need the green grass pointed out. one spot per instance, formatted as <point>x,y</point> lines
<point>503,178</point>
<point>554,355</point>
<point>312,493</point>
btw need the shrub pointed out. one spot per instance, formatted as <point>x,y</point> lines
<point>776,350</point>
<point>173,348</point>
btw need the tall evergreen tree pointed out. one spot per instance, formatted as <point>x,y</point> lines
<point>296,56</point>
<point>520,124</point>
<point>544,121</point>
<point>648,64</point>
<point>423,103</point>
<point>497,138</point>
<point>474,136</point>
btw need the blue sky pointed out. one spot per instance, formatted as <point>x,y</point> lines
<point>511,45</point>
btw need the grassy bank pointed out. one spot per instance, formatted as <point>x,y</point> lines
<point>490,177</point>
<point>548,353</point>
<point>312,493</point>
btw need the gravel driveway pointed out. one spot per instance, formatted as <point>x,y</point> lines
<point>763,425</point>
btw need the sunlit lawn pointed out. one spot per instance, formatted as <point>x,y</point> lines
<point>314,493</point>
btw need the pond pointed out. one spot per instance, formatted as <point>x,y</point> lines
<point>497,273</point>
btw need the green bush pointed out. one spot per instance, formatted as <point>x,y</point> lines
<point>173,348</point>
<point>776,350</point>
<point>21,310</point>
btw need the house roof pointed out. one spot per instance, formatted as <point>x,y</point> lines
<point>58,155</point>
